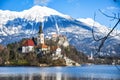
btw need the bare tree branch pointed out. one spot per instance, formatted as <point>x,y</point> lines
<point>98,39</point>
<point>105,37</point>
<point>113,17</point>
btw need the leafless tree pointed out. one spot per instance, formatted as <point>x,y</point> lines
<point>103,39</point>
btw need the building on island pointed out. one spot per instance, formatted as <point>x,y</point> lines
<point>90,57</point>
<point>28,46</point>
<point>62,41</point>
<point>40,37</point>
<point>41,48</point>
<point>58,51</point>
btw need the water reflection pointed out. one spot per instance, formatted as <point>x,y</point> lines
<point>43,76</point>
<point>96,72</point>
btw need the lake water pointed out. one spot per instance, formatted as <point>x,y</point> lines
<point>92,72</point>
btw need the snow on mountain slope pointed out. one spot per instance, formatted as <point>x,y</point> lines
<point>20,23</point>
<point>97,25</point>
<point>35,14</point>
<point>17,25</point>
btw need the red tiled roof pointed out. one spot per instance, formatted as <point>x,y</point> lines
<point>44,46</point>
<point>28,42</point>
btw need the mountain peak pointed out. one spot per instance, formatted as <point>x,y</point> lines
<point>17,25</point>
<point>44,11</point>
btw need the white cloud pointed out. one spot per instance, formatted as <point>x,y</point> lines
<point>112,8</point>
<point>41,2</point>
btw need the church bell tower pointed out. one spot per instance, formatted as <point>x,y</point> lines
<point>40,38</point>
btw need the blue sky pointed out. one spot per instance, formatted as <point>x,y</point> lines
<point>74,8</point>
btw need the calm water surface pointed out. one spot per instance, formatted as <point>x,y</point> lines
<point>93,72</point>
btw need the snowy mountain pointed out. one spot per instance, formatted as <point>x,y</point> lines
<point>17,25</point>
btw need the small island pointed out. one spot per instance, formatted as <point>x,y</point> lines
<point>54,50</point>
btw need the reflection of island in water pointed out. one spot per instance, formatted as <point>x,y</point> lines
<point>57,76</point>
<point>92,72</point>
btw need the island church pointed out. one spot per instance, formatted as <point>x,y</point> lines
<point>29,45</point>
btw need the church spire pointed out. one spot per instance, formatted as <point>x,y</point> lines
<point>40,29</point>
<point>40,38</point>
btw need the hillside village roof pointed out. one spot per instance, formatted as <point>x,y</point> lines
<point>42,46</point>
<point>28,42</point>
<point>53,48</point>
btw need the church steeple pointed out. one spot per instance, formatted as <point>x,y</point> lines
<point>40,29</point>
<point>40,38</point>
